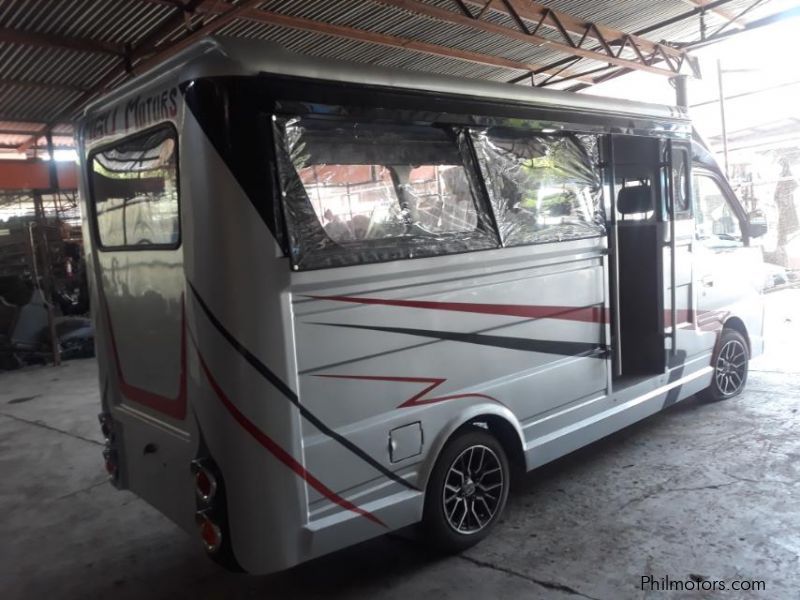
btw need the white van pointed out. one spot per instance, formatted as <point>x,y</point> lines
<point>332,301</point>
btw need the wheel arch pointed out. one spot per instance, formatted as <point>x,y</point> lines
<point>738,325</point>
<point>497,420</point>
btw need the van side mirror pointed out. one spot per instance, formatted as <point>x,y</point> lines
<point>756,224</point>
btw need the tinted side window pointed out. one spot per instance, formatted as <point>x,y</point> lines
<point>134,188</point>
<point>543,188</point>
<point>717,223</point>
<point>366,192</point>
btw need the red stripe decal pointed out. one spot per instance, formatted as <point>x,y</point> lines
<point>590,314</point>
<point>419,398</point>
<point>171,407</point>
<point>282,455</point>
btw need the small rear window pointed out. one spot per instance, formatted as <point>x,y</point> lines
<point>134,186</point>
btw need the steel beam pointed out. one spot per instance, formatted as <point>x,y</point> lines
<point>179,18</point>
<point>524,34</point>
<point>790,13</point>
<point>720,12</point>
<point>57,147</point>
<point>522,10</point>
<point>50,40</point>
<point>221,20</point>
<point>41,85</point>
<point>27,132</point>
<point>566,24</point>
<point>35,175</point>
<point>217,7</point>
<point>649,29</point>
<point>393,41</point>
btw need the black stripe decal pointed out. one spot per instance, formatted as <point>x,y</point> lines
<point>289,394</point>
<point>678,363</point>
<point>589,349</point>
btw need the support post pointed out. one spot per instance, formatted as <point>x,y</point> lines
<point>43,279</point>
<point>53,170</point>
<point>681,91</point>
<point>722,116</point>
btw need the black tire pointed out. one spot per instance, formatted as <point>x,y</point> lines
<point>475,453</point>
<point>730,363</point>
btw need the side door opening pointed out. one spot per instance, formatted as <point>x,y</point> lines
<point>636,231</point>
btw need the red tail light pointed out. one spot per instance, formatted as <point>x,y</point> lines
<point>210,532</point>
<point>205,482</point>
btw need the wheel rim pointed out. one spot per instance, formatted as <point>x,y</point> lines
<point>731,367</point>
<point>473,490</point>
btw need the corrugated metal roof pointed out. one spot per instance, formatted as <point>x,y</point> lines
<point>42,83</point>
<point>115,21</point>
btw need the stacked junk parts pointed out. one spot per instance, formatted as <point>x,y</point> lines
<point>44,300</point>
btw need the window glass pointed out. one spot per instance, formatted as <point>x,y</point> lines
<point>680,185</point>
<point>356,192</point>
<point>135,191</point>
<point>368,202</point>
<point>717,223</point>
<point>543,188</point>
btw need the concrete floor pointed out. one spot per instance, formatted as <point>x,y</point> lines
<point>708,490</point>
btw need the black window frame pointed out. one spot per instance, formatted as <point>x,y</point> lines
<point>173,134</point>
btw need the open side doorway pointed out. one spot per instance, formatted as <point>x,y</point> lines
<point>635,188</point>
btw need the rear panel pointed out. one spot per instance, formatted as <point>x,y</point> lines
<point>134,242</point>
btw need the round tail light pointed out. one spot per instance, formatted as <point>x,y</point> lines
<point>210,532</point>
<point>205,483</point>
